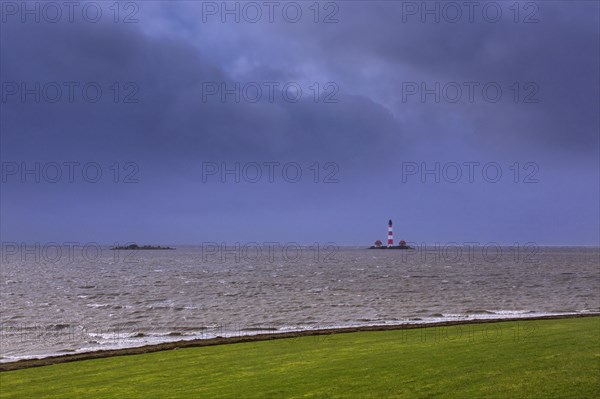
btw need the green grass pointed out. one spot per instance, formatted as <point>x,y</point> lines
<point>528,359</point>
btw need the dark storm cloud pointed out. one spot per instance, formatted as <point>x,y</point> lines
<point>559,54</point>
<point>170,74</point>
<point>173,119</point>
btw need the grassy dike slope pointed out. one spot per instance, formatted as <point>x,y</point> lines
<point>525,359</point>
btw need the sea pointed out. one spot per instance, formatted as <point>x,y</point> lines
<point>62,299</point>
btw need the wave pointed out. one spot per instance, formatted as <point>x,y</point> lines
<point>138,338</point>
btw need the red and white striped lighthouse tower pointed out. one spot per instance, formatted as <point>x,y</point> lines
<point>390,241</point>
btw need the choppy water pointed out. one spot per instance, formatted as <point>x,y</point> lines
<point>70,302</point>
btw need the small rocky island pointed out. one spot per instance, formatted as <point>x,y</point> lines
<point>379,245</point>
<point>134,247</point>
<point>392,247</point>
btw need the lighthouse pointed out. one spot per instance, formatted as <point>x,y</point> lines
<point>390,241</point>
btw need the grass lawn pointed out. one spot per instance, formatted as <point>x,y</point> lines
<point>526,359</point>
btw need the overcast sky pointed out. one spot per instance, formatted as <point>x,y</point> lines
<point>204,123</point>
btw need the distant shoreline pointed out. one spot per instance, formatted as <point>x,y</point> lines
<point>134,247</point>
<point>100,354</point>
<point>392,247</point>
